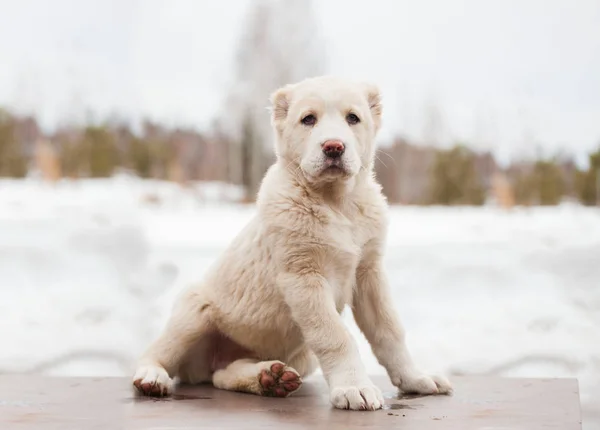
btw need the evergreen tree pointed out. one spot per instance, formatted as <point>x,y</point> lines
<point>588,181</point>
<point>100,151</point>
<point>549,182</point>
<point>13,162</point>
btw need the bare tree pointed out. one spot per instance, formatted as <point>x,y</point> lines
<point>434,132</point>
<point>279,45</point>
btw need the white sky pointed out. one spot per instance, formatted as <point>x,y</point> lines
<point>502,73</point>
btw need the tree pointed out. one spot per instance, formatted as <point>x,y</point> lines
<point>13,162</point>
<point>549,182</point>
<point>588,181</point>
<point>433,125</point>
<point>71,159</point>
<point>158,142</point>
<point>100,151</point>
<point>251,148</point>
<point>525,188</point>
<point>454,180</point>
<point>541,182</point>
<point>139,157</point>
<point>279,45</point>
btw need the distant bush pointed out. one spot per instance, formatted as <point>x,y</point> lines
<point>549,182</point>
<point>139,157</point>
<point>100,151</point>
<point>13,162</point>
<point>541,182</point>
<point>588,181</point>
<point>454,180</point>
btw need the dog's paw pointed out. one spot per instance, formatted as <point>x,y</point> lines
<point>153,380</point>
<point>419,383</point>
<point>365,397</point>
<point>278,380</point>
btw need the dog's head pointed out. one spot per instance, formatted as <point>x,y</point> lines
<point>326,127</point>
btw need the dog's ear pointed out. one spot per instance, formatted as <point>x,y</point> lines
<point>374,101</point>
<point>280,104</point>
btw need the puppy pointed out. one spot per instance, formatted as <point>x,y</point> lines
<point>268,311</point>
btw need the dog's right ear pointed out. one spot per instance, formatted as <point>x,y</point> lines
<point>374,101</point>
<point>280,104</point>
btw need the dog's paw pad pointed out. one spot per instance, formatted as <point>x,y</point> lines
<point>278,380</point>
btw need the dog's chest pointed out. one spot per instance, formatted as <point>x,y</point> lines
<point>340,271</point>
<point>347,237</point>
<point>349,231</point>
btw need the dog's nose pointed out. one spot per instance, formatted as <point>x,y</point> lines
<point>333,148</point>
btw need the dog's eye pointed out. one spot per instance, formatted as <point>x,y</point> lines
<point>309,120</point>
<point>352,119</point>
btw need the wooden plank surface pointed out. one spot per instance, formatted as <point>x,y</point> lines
<point>32,402</point>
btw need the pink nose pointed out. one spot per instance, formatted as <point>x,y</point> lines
<point>333,148</point>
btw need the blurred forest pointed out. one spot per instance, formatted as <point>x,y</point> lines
<point>238,147</point>
<point>409,173</point>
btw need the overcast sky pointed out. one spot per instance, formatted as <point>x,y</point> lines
<point>503,74</point>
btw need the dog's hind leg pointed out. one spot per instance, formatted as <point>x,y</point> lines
<point>188,325</point>
<point>265,378</point>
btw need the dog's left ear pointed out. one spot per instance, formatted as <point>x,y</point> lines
<point>280,104</point>
<point>374,101</point>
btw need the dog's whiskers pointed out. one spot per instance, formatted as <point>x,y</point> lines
<point>294,160</point>
<point>381,161</point>
<point>385,153</point>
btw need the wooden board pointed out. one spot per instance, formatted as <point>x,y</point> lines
<point>31,402</point>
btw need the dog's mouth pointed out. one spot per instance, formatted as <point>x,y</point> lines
<point>333,172</point>
<point>328,169</point>
<point>334,166</point>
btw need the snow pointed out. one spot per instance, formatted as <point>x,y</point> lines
<point>89,270</point>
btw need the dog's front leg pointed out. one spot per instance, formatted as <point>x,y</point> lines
<point>310,299</point>
<point>377,319</point>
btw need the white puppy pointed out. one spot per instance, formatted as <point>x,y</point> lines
<point>267,313</point>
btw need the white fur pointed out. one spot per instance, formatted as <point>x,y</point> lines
<point>315,246</point>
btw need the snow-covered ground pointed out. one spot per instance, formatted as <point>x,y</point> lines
<point>89,269</point>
